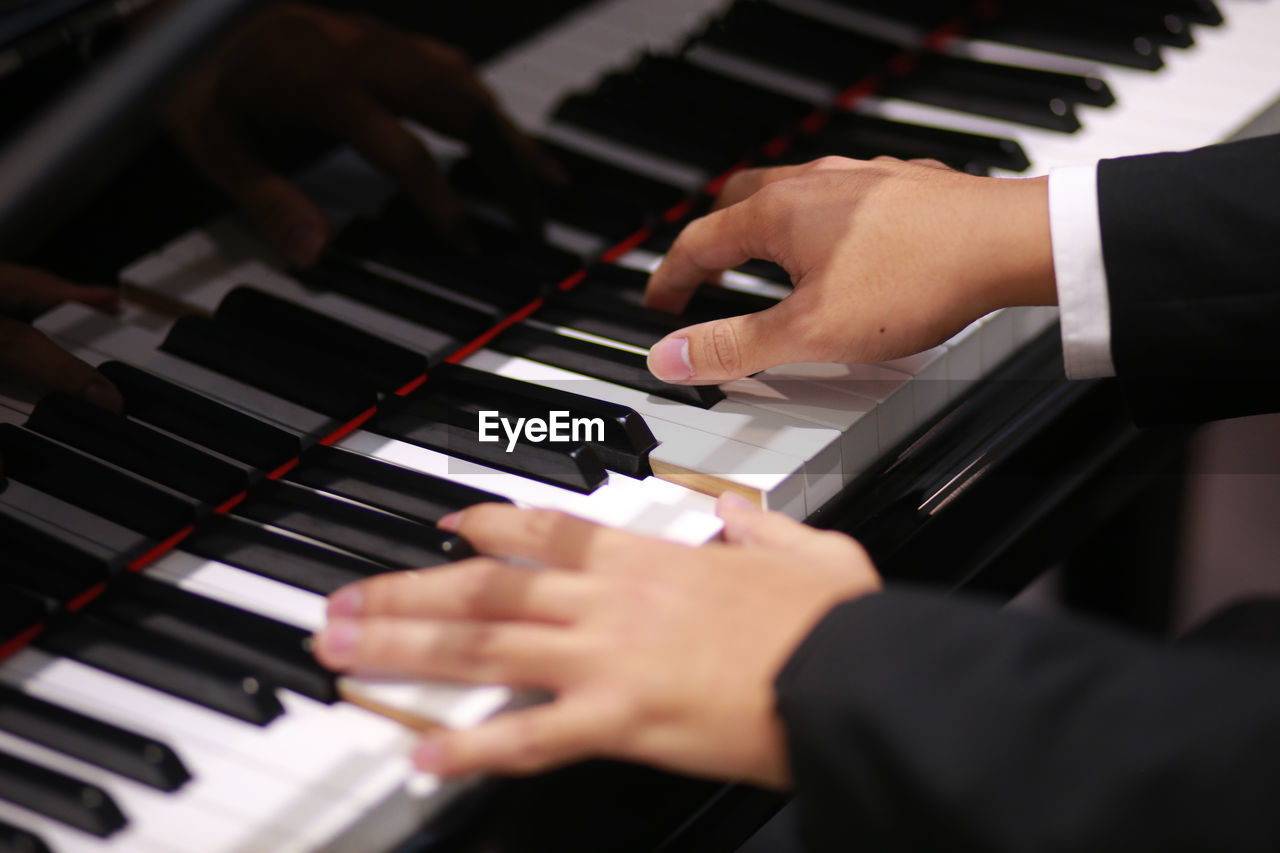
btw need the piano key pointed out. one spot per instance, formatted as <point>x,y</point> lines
<point>20,608</point>
<point>724,97</point>
<point>378,363</point>
<point>243,589</point>
<point>323,385</point>
<point>613,365</point>
<point>382,537</point>
<point>766,457</point>
<point>613,180</point>
<point>313,770</point>
<point>86,332</point>
<point>442,424</point>
<point>930,387</point>
<point>200,420</point>
<point>127,753</point>
<point>82,481</point>
<point>137,449</point>
<point>895,410</point>
<point>650,507</point>
<point>870,136</point>
<point>14,839</point>
<point>276,554</point>
<point>159,817</point>
<point>34,543</point>
<point>1071,34</point>
<point>387,487</point>
<point>280,652</point>
<point>389,290</point>
<point>72,528</point>
<point>59,797</point>
<point>598,314</point>
<point>178,670</point>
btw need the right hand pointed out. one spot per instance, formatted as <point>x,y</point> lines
<point>27,356</point>
<point>888,259</point>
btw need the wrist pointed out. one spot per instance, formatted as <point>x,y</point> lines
<point>1015,264</point>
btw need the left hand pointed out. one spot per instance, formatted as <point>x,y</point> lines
<point>354,79</point>
<point>656,652</point>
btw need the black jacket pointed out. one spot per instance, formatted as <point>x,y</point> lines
<point>921,723</point>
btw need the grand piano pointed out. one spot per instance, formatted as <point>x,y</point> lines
<point>287,431</point>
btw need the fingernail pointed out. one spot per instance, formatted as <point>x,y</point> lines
<point>304,244</point>
<point>733,502</point>
<point>429,754</point>
<point>338,641</point>
<point>451,522</point>
<point>669,360</point>
<point>103,394</point>
<point>346,603</point>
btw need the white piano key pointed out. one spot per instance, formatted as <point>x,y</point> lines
<point>807,455</point>
<point>930,386</point>
<point>889,389</point>
<point>627,156</point>
<point>163,817</point>
<point>964,359</point>
<point>65,839</point>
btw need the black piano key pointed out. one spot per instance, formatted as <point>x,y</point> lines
<point>202,421</point>
<point>181,671</point>
<point>709,302</point>
<point>612,365</point>
<point>725,95</point>
<point>864,137</point>
<point>627,439</point>
<point>649,126</point>
<point>253,548</point>
<point>792,41</point>
<point>1065,32</point>
<point>613,181</point>
<point>378,362</point>
<point>387,539</point>
<point>1014,80</point>
<point>16,840</point>
<point>486,277</point>
<point>90,485</point>
<point>385,486</point>
<point>51,561</point>
<point>347,275</point>
<point>135,448</point>
<point>59,797</point>
<point>324,385</point>
<point>93,741</point>
<point>452,428</point>
<point>685,112</point>
<point>599,312</point>
<point>20,608</point>
<point>278,651</point>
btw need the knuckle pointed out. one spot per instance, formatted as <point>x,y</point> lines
<point>541,525</point>
<point>830,161</point>
<point>724,350</point>
<point>479,584</point>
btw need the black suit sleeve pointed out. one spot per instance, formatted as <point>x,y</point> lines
<point>1191,246</point>
<point>917,723</point>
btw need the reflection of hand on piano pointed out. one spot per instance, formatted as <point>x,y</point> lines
<point>888,259</point>
<point>27,356</point>
<point>657,652</point>
<point>353,79</point>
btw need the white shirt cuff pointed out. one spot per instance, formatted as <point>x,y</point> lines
<point>1083,305</point>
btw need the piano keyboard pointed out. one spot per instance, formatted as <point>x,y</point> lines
<point>283,435</point>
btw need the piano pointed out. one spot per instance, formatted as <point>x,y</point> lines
<point>289,431</point>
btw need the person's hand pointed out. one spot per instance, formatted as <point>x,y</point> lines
<point>353,79</point>
<point>888,259</point>
<point>30,359</point>
<point>656,652</point>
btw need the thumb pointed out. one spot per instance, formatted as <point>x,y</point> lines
<point>728,349</point>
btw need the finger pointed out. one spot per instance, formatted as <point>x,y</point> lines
<point>518,654</point>
<point>710,245</point>
<point>27,293</point>
<point>521,742</point>
<point>728,349</point>
<point>31,358</point>
<point>931,163</point>
<point>540,535</point>
<point>280,212</point>
<point>385,142</point>
<point>746,523</point>
<point>474,589</point>
<point>745,183</point>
